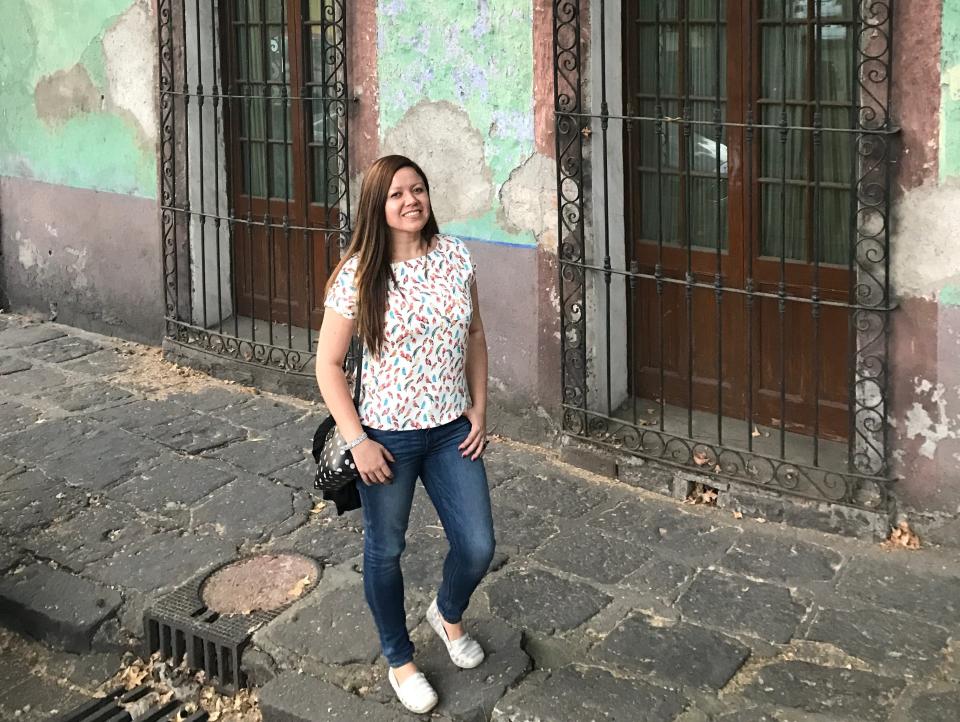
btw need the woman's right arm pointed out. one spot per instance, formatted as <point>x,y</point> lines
<point>332,344</point>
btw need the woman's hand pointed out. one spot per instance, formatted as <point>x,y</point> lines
<point>476,441</point>
<point>371,459</point>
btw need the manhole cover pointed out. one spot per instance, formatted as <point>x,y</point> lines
<point>259,584</point>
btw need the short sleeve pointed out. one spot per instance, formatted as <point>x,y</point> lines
<point>465,260</point>
<point>342,297</point>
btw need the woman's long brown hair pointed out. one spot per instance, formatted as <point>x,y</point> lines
<point>371,244</point>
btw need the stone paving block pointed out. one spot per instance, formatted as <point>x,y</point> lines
<point>505,462</point>
<point>54,605</point>
<point>102,364</point>
<point>683,653</point>
<point>173,483</point>
<point>745,715</point>
<point>249,509</point>
<point>834,691</point>
<point>210,398</point>
<point>62,349</point>
<point>39,441</point>
<point>334,627</point>
<point>577,695</point>
<point>83,396</point>
<point>31,499</point>
<point>543,602</point>
<point>520,531</point>
<point>292,697</point>
<point>881,636</point>
<point>890,584</point>
<point>11,365</point>
<point>167,561</point>
<point>87,536</point>
<point>258,456</point>
<point>8,466</point>
<point>329,543</point>
<point>660,577</point>
<point>15,417</point>
<point>300,432</point>
<point>935,707</point>
<point>38,700</point>
<point>10,555</point>
<point>782,560</point>
<point>546,495</point>
<point>20,337</point>
<point>141,415</point>
<point>26,382</point>
<point>259,413</point>
<point>100,459</point>
<point>592,554</point>
<point>297,476</point>
<point>737,604</point>
<point>195,433</point>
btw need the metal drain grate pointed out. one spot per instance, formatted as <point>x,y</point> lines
<point>110,709</point>
<point>181,626</point>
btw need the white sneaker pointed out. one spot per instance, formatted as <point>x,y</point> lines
<point>465,651</point>
<point>416,693</point>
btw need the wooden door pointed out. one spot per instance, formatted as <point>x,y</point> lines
<point>281,133</point>
<point>733,208</point>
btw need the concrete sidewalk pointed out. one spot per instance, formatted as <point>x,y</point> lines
<point>121,477</point>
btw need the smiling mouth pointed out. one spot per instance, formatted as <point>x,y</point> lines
<point>409,214</point>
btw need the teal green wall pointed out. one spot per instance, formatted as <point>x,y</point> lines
<point>89,142</point>
<point>950,91</point>
<point>477,55</point>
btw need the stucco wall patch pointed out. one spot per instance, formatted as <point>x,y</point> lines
<point>66,93</point>
<point>924,249</point>
<point>129,60</point>
<point>529,200</point>
<point>929,420</point>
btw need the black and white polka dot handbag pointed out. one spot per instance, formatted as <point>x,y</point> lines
<point>335,465</point>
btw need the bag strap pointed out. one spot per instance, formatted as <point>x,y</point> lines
<point>358,374</point>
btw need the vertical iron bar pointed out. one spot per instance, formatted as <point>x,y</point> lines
<point>186,154</point>
<point>286,168</point>
<point>246,98</point>
<point>215,92</point>
<point>818,222</point>
<point>266,94</point>
<point>604,123</point>
<point>885,301</point>
<point>718,277</point>
<point>782,287</point>
<point>658,270</point>
<point>632,363</point>
<point>685,81</point>
<point>202,156</point>
<point>852,338</point>
<point>306,112</point>
<point>750,218</point>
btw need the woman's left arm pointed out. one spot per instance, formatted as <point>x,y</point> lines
<point>476,370</point>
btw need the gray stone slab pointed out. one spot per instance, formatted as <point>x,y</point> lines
<point>844,693</point>
<point>881,636</point>
<point>38,700</point>
<point>55,605</point>
<point>87,536</point>
<point>259,413</point>
<point>746,715</point>
<point>83,396</point>
<point>334,627</point>
<point>39,441</point>
<point>258,456</point>
<point>292,697</point>
<point>8,466</point>
<point>682,653</point>
<point>170,559</point>
<point>327,542</point>
<point>100,459</point>
<point>543,602</point>
<point>300,432</point>
<point>546,495</point>
<point>32,499</point>
<point>661,578</point>
<point>210,398</point>
<point>62,349</point>
<point>505,462</point>
<point>588,552</point>
<point>738,604</point>
<point>195,433</point>
<point>782,560</point>
<point>173,483</point>
<point>11,365</point>
<point>19,337</point>
<point>249,509</point>
<point>297,476</point>
<point>26,382</point>
<point>668,530</point>
<point>102,364</point>
<point>521,532</point>
<point>892,584</point>
<point>576,695</point>
<point>936,707</point>
<point>15,417</point>
<point>142,415</point>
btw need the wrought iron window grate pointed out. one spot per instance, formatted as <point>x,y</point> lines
<point>723,191</point>
<point>254,173</point>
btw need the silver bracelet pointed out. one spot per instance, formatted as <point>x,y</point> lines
<point>356,442</point>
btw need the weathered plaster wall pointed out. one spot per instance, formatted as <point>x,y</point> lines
<point>78,161</point>
<point>466,90</point>
<point>925,270</point>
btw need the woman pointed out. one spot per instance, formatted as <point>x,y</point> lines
<point>411,296</point>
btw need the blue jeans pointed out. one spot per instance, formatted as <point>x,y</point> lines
<point>458,489</point>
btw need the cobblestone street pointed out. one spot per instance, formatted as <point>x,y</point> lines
<point>122,477</point>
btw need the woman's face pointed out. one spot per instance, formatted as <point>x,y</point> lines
<point>408,203</point>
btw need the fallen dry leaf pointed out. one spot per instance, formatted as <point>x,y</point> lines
<point>318,507</point>
<point>756,432</point>
<point>738,515</point>
<point>903,536</point>
<point>297,589</point>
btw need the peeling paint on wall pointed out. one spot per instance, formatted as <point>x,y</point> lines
<point>924,248</point>
<point>76,94</point>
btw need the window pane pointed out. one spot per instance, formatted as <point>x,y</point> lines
<point>255,169</point>
<point>784,221</point>
<point>836,64</point>
<point>784,82</point>
<point>320,180</point>
<point>784,153</point>
<point>281,171</point>
<point>835,226</point>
